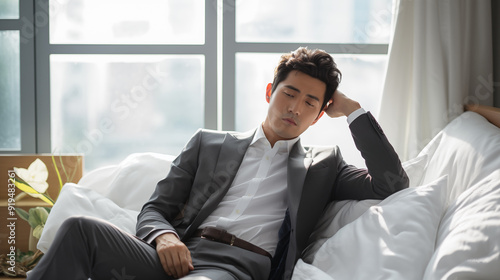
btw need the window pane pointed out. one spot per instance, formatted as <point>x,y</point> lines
<point>9,9</point>
<point>10,93</point>
<point>127,22</point>
<point>362,80</point>
<point>109,106</point>
<point>316,21</point>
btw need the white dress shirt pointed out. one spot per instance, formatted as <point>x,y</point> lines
<point>254,206</point>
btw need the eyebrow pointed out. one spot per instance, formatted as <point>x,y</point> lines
<point>297,90</point>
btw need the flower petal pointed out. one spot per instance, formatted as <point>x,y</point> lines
<point>38,171</point>
<point>23,173</point>
<point>40,187</point>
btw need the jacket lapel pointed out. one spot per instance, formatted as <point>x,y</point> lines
<point>229,160</point>
<point>298,164</point>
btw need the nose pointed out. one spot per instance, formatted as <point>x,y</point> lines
<point>295,107</point>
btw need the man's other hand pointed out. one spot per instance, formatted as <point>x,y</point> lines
<point>341,105</point>
<point>174,255</point>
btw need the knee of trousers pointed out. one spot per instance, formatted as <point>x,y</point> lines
<point>80,224</point>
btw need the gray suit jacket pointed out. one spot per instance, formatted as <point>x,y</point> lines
<point>202,174</point>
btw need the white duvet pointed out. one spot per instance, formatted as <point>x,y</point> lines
<point>446,226</point>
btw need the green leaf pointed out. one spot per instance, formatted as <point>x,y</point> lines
<point>22,213</point>
<point>25,187</point>
<point>37,216</point>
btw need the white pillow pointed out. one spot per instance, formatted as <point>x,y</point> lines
<point>415,169</point>
<point>305,271</point>
<point>78,201</point>
<point>340,213</point>
<point>467,149</point>
<point>393,240</point>
<point>113,193</point>
<point>468,240</point>
<point>130,183</point>
<point>336,215</point>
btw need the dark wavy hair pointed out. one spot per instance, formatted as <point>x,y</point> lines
<point>315,63</point>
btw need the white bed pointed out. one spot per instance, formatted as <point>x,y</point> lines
<point>445,226</point>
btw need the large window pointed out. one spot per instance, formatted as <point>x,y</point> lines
<point>146,76</point>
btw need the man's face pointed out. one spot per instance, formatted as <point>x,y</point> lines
<point>293,107</point>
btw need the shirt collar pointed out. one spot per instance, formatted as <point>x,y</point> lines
<point>260,136</point>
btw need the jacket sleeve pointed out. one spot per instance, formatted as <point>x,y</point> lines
<point>384,174</point>
<point>171,193</point>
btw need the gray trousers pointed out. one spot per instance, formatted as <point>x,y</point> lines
<point>91,248</point>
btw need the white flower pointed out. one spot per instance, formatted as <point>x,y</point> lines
<point>36,176</point>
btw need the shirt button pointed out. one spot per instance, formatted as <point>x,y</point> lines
<point>237,211</point>
<point>267,157</point>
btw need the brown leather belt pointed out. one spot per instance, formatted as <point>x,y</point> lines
<point>222,236</point>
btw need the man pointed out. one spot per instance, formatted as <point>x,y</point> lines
<point>233,201</point>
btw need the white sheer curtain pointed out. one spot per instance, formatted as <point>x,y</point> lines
<point>440,57</point>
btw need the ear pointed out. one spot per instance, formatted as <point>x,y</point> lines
<point>268,92</point>
<point>320,114</point>
<point>318,117</point>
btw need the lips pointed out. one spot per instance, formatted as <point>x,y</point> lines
<point>290,121</point>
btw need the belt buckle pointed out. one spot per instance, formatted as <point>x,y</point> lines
<point>233,238</point>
